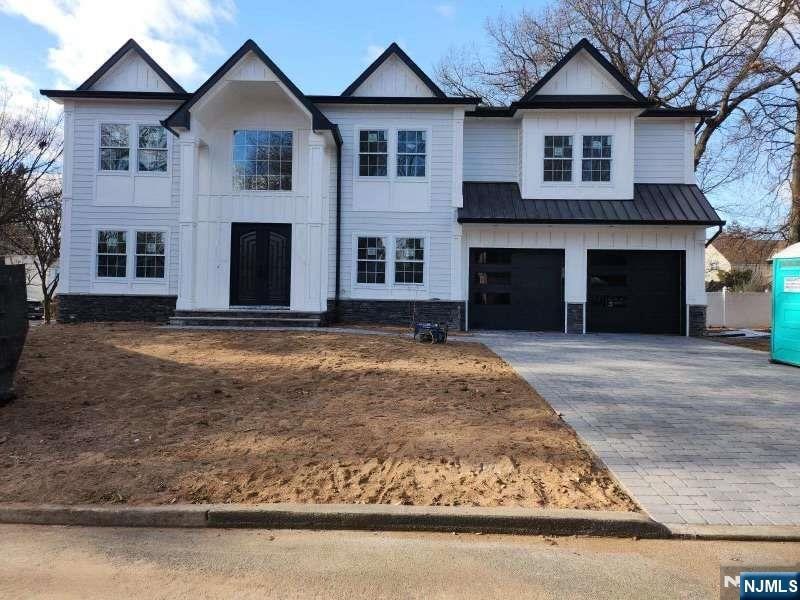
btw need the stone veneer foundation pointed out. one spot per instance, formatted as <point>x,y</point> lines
<point>78,308</point>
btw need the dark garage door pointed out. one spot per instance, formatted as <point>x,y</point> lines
<point>516,289</point>
<point>635,291</point>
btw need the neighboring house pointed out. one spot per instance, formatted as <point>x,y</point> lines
<point>734,252</point>
<point>34,282</point>
<point>574,209</point>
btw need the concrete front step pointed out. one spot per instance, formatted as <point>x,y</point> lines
<point>246,318</point>
<point>242,322</point>
<point>250,314</point>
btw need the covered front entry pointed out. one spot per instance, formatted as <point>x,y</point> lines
<point>516,289</point>
<point>260,264</point>
<point>636,291</point>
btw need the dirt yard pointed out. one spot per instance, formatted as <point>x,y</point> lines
<point>762,343</point>
<point>136,414</point>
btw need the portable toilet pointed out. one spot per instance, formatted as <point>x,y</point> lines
<point>786,306</point>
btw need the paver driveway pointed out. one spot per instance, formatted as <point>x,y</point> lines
<point>697,431</point>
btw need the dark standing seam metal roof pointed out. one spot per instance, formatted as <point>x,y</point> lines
<point>652,204</point>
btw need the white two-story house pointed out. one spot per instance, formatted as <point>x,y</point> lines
<point>247,201</point>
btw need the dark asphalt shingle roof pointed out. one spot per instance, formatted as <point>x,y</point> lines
<point>652,203</point>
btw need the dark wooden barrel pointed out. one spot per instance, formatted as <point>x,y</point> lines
<point>13,324</point>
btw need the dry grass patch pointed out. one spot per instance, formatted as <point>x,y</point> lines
<point>130,413</point>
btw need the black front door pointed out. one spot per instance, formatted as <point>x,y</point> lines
<point>635,291</point>
<point>516,289</point>
<point>260,264</point>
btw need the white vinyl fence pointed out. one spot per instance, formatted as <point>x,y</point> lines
<point>737,310</point>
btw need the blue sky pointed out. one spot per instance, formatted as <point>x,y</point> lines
<point>320,45</point>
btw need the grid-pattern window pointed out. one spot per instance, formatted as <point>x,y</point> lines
<point>150,254</point>
<point>152,155</point>
<point>372,153</point>
<point>112,254</point>
<point>262,160</point>
<point>409,260</point>
<point>558,158</point>
<point>371,267</point>
<point>596,164</point>
<point>410,153</point>
<point>115,147</point>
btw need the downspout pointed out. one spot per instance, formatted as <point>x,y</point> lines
<point>715,236</point>
<point>338,228</point>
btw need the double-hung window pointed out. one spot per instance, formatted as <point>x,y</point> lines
<point>115,147</point>
<point>558,158</point>
<point>152,153</point>
<point>371,263</point>
<point>409,261</point>
<point>372,153</point>
<point>112,254</point>
<point>262,160</point>
<point>410,153</point>
<point>596,164</point>
<point>150,254</point>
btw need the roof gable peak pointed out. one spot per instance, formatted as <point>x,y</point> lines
<point>584,45</point>
<point>394,50</point>
<point>130,46</point>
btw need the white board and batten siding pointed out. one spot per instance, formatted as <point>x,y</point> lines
<point>131,74</point>
<point>123,200</point>
<point>393,78</point>
<point>380,206</point>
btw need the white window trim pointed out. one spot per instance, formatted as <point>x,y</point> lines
<point>96,255</point>
<point>611,160</point>
<point>133,150</point>
<point>137,126</point>
<point>99,150</point>
<point>572,156</point>
<point>397,131</point>
<point>130,282</point>
<point>577,158</point>
<point>166,256</point>
<point>391,151</point>
<point>390,160</point>
<point>234,191</point>
<point>390,243</point>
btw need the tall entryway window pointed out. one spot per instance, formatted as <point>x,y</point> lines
<point>260,264</point>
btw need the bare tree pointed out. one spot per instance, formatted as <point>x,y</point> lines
<point>37,234</point>
<point>709,54</point>
<point>31,144</point>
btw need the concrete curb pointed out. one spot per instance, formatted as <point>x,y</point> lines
<point>345,516</point>
<point>740,533</point>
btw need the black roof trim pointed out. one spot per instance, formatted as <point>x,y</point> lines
<point>394,49</point>
<point>652,204</point>
<point>491,111</point>
<point>180,117</point>
<point>111,94</point>
<point>124,49</point>
<point>664,111</point>
<point>558,101</point>
<point>584,44</point>
<point>393,100</point>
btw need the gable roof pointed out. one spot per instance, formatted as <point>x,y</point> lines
<point>130,46</point>
<point>397,51</point>
<point>180,117</point>
<point>743,250</point>
<point>585,45</point>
